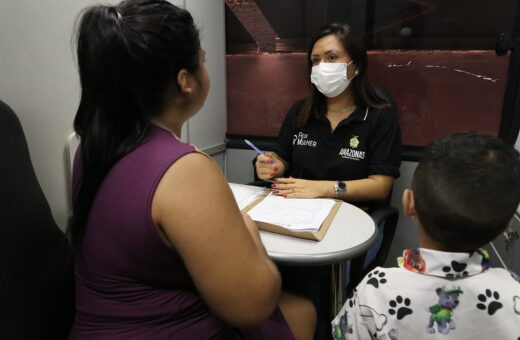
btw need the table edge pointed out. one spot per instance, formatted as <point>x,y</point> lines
<point>325,258</point>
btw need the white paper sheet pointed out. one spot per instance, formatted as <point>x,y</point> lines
<point>245,194</point>
<point>295,214</point>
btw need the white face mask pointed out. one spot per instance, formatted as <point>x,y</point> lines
<point>330,78</point>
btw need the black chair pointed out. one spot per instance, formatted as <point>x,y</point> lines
<point>387,219</point>
<point>36,262</point>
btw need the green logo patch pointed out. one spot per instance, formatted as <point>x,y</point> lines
<point>354,142</point>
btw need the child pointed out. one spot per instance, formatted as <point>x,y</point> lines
<point>464,194</point>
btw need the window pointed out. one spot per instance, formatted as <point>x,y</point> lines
<point>437,58</point>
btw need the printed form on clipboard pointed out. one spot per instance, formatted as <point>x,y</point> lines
<point>246,194</point>
<point>298,217</point>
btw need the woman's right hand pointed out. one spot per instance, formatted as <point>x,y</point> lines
<point>269,166</point>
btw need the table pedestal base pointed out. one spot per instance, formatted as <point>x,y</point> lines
<point>338,287</point>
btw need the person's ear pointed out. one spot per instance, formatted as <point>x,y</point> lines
<point>183,82</point>
<point>409,203</point>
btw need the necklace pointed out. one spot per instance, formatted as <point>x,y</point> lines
<point>343,110</point>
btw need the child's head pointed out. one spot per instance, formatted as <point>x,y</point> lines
<point>466,190</point>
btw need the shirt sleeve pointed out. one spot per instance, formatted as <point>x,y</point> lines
<point>286,136</point>
<point>350,323</point>
<point>385,145</point>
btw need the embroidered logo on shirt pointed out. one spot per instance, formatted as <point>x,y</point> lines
<point>301,139</point>
<point>350,153</point>
<point>354,142</point>
<point>355,155</point>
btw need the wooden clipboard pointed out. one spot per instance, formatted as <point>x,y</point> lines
<point>309,235</point>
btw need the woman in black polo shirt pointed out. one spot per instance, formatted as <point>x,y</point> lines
<point>342,141</point>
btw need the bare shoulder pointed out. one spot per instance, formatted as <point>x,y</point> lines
<point>193,187</point>
<point>192,171</point>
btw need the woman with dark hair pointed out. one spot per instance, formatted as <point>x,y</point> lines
<point>343,141</point>
<point>162,249</point>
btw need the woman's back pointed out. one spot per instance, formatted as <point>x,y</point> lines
<point>163,250</point>
<point>130,284</point>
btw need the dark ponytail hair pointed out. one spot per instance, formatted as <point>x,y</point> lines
<point>129,56</point>
<point>363,91</point>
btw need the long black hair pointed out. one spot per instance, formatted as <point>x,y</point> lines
<point>363,91</point>
<point>129,56</point>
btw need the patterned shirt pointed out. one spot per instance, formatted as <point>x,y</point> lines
<point>433,295</point>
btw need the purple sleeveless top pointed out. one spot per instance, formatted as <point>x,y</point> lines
<point>129,283</point>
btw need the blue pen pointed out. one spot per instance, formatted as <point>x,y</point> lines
<point>260,152</point>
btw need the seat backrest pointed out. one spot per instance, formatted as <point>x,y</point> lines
<point>385,218</point>
<point>383,93</point>
<point>36,261</point>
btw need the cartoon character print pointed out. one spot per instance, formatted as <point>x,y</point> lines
<point>485,259</point>
<point>442,312</point>
<point>414,261</point>
<point>342,328</point>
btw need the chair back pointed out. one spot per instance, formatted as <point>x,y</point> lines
<point>36,261</point>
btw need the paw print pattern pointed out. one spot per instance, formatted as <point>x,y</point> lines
<point>456,270</point>
<point>351,298</point>
<point>376,278</point>
<point>493,306</point>
<point>400,307</point>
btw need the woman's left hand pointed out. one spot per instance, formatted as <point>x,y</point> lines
<point>297,188</point>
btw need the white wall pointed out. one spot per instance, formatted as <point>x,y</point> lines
<point>38,79</point>
<point>208,128</point>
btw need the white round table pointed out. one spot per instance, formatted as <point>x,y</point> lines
<point>350,234</point>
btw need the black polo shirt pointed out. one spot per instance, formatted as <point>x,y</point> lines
<point>366,143</point>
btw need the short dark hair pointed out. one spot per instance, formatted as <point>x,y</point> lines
<point>363,91</point>
<point>466,189</point>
